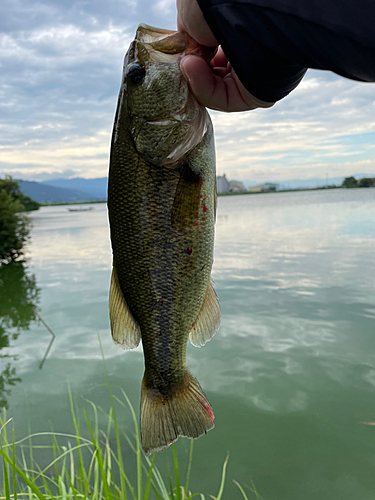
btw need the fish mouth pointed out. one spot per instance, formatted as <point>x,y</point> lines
<point>162,45</point>
<point>149,34</point>
<point>170,46</point>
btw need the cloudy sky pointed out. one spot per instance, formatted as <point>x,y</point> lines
<point>60,70</point>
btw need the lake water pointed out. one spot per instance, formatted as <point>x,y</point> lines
<point>291,372</point>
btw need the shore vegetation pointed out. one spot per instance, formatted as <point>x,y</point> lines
<point>93,463</point>
<point>352,182</point>
<point>14,224</point>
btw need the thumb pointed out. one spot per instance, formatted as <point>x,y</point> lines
<point>201,80</point>
<point>223,94</point>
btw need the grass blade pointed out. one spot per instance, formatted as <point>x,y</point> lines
<point>159,480</point>
<point>177,477</point>
<point>107,490</point>
<point>97,473</point>
<point>3,431</point>
<point>117,435</point>
<point>241,489</point>
<point>138,446</point>
<point>23,476</point>
<point>13,467</point>
<point>158,497</point>
<point>189,466</point>
<point>220,494</point>
<point>171,486</point>
<point>6,481</point>
<point>147,490</point>
<point>82,472</point>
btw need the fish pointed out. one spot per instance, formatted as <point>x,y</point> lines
<point>162,209</point>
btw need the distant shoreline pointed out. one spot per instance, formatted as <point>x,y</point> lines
<point>63,203</point>
<point>321,188</point>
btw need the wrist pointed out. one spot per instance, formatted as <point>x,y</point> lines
<point>251,100</point>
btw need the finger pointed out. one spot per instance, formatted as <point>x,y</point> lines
<point>180,23</point>
<point>223,94</point>
<point>211,90</point>
<point>190,19</point>
<point>220,59</point>
<point>222,72</point>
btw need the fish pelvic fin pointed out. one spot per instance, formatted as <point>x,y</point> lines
<point>126,332</point>
<point>208,320</point>
<point>186,412</point>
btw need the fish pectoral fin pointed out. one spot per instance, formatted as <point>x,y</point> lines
<point>185,208</point>
<point>125,330</point>
<point>208,320</point>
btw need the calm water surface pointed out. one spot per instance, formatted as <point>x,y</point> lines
<point>290,374</point>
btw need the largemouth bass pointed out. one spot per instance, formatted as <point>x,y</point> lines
<point>162,202</point>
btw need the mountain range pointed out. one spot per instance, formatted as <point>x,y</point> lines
<point>93,187</point>
<point>45,193</point>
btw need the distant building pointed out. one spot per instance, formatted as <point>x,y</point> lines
<point>236,187</point>
<point>271,186</point>
<point>256,189</point>
<point>264,188</point>
<point>222,185</point>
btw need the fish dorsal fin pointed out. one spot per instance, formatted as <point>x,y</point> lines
<point>125,330</point>
<point>208,320</point>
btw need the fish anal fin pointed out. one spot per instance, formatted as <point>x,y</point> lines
<point>185,412</point>
<point>208,320</point>
<point>125,330</point>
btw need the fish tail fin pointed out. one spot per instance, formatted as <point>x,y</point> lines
<point>185,412</point>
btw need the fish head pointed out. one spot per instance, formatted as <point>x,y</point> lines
<point>164,119</point>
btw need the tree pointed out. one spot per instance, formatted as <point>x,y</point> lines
<point>12,188</point>
<point>18,292</point>
<point>367,182</point>
<point>14,228</point>
<point>350,182</point>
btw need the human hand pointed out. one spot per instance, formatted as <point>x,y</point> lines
<point>190,19</point>
<point>214,84</point>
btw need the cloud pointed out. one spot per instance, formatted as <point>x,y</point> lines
<point>61,67</point>
<point>65,45</point>
<point>320,127</point>
<point>166,6</point>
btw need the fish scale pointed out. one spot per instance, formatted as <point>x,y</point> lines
<point>161,202</point>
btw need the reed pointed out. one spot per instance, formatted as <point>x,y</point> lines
<point>85,465</point>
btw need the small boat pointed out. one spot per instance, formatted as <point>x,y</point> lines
<point>81,209</point>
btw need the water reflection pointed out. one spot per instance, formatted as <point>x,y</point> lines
<point>291,372</point>
<point>18,297</point>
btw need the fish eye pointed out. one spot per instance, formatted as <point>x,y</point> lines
<point>135,73</point>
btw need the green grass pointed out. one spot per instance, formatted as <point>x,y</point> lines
<point>93,463</point>
<point>81,468</point>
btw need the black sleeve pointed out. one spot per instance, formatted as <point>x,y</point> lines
<point>271,43</point>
